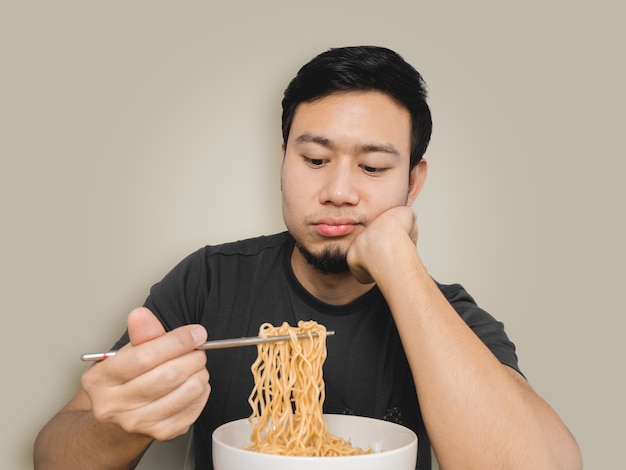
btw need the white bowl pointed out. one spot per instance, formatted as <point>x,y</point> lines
<point>395,447</point>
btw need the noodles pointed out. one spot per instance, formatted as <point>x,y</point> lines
<point>288,395</point>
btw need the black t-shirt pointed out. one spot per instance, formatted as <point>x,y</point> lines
<point>232,289</point>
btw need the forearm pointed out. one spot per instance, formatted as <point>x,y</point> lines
<point>74,439</point>
<point>477,412</point>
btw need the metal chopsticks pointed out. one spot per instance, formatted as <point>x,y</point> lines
<point>214,344</point>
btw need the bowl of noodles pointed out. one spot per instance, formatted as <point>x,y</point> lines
<point>384,444</point>
<point>287,428</point>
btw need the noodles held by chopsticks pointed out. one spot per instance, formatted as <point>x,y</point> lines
<point>288,394</point>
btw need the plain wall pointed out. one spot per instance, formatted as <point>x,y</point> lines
<point>135,132</point>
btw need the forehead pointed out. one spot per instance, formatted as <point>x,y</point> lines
<point>354,117</point>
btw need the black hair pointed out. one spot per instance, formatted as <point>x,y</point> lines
<point>363,68</point>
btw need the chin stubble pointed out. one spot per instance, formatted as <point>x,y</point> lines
<point>331,260</point>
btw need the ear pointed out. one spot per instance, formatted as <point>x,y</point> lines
<point>416,181</point>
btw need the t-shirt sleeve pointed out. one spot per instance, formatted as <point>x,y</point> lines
<point>485,326</point>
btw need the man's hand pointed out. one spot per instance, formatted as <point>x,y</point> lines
<point>375,249</point>
<point>157,385</point>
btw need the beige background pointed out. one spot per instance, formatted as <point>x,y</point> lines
<point>135,132</point>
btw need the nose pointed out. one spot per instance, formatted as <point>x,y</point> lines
<point>340,187</point>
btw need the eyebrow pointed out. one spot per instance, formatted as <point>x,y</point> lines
<point>366,148</point>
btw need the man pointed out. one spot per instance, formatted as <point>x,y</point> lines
<point>355,128</point>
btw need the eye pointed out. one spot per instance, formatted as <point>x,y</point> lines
<point>372,170</point>
<point>314,162</point>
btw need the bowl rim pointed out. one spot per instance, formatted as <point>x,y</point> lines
<point>376,454</point>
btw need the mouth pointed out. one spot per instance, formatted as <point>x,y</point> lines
<point>338,227</point>
<point>334,230</point>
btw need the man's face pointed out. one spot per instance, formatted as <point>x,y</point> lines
<point>346,161</point>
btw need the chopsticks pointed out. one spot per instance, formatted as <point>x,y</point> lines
<point>214,344</point>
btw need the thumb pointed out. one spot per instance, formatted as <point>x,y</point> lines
<point>143,326</point>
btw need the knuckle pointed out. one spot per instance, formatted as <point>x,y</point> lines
<point>196,387</point>
<point>144,358</point>
<point>102,412</point>
<point>87,380</point>
<point>129,424</point>
<point>168,376</point>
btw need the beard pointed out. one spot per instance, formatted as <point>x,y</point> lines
<point>331,260</point>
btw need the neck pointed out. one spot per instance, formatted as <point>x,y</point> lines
<point>333,289</point>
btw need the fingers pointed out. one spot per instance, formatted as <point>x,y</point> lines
<point>375,250</point>
<point>133,361</point>
<point>164,379</point>
<point>151,346</point>
<point>172,414</point>
<point>143,326</point>
<point>162,403</point>
<point>414,232</point>
<point>157,384</point>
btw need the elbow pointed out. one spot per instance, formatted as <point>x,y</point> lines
<point>569,458</point>
<point>39,455</point>
<point>562,453</point>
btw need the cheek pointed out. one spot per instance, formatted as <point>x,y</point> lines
<point>292,197</point>
<point>287,189</point>
<point>296,187</point>
<point>391,196</point>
